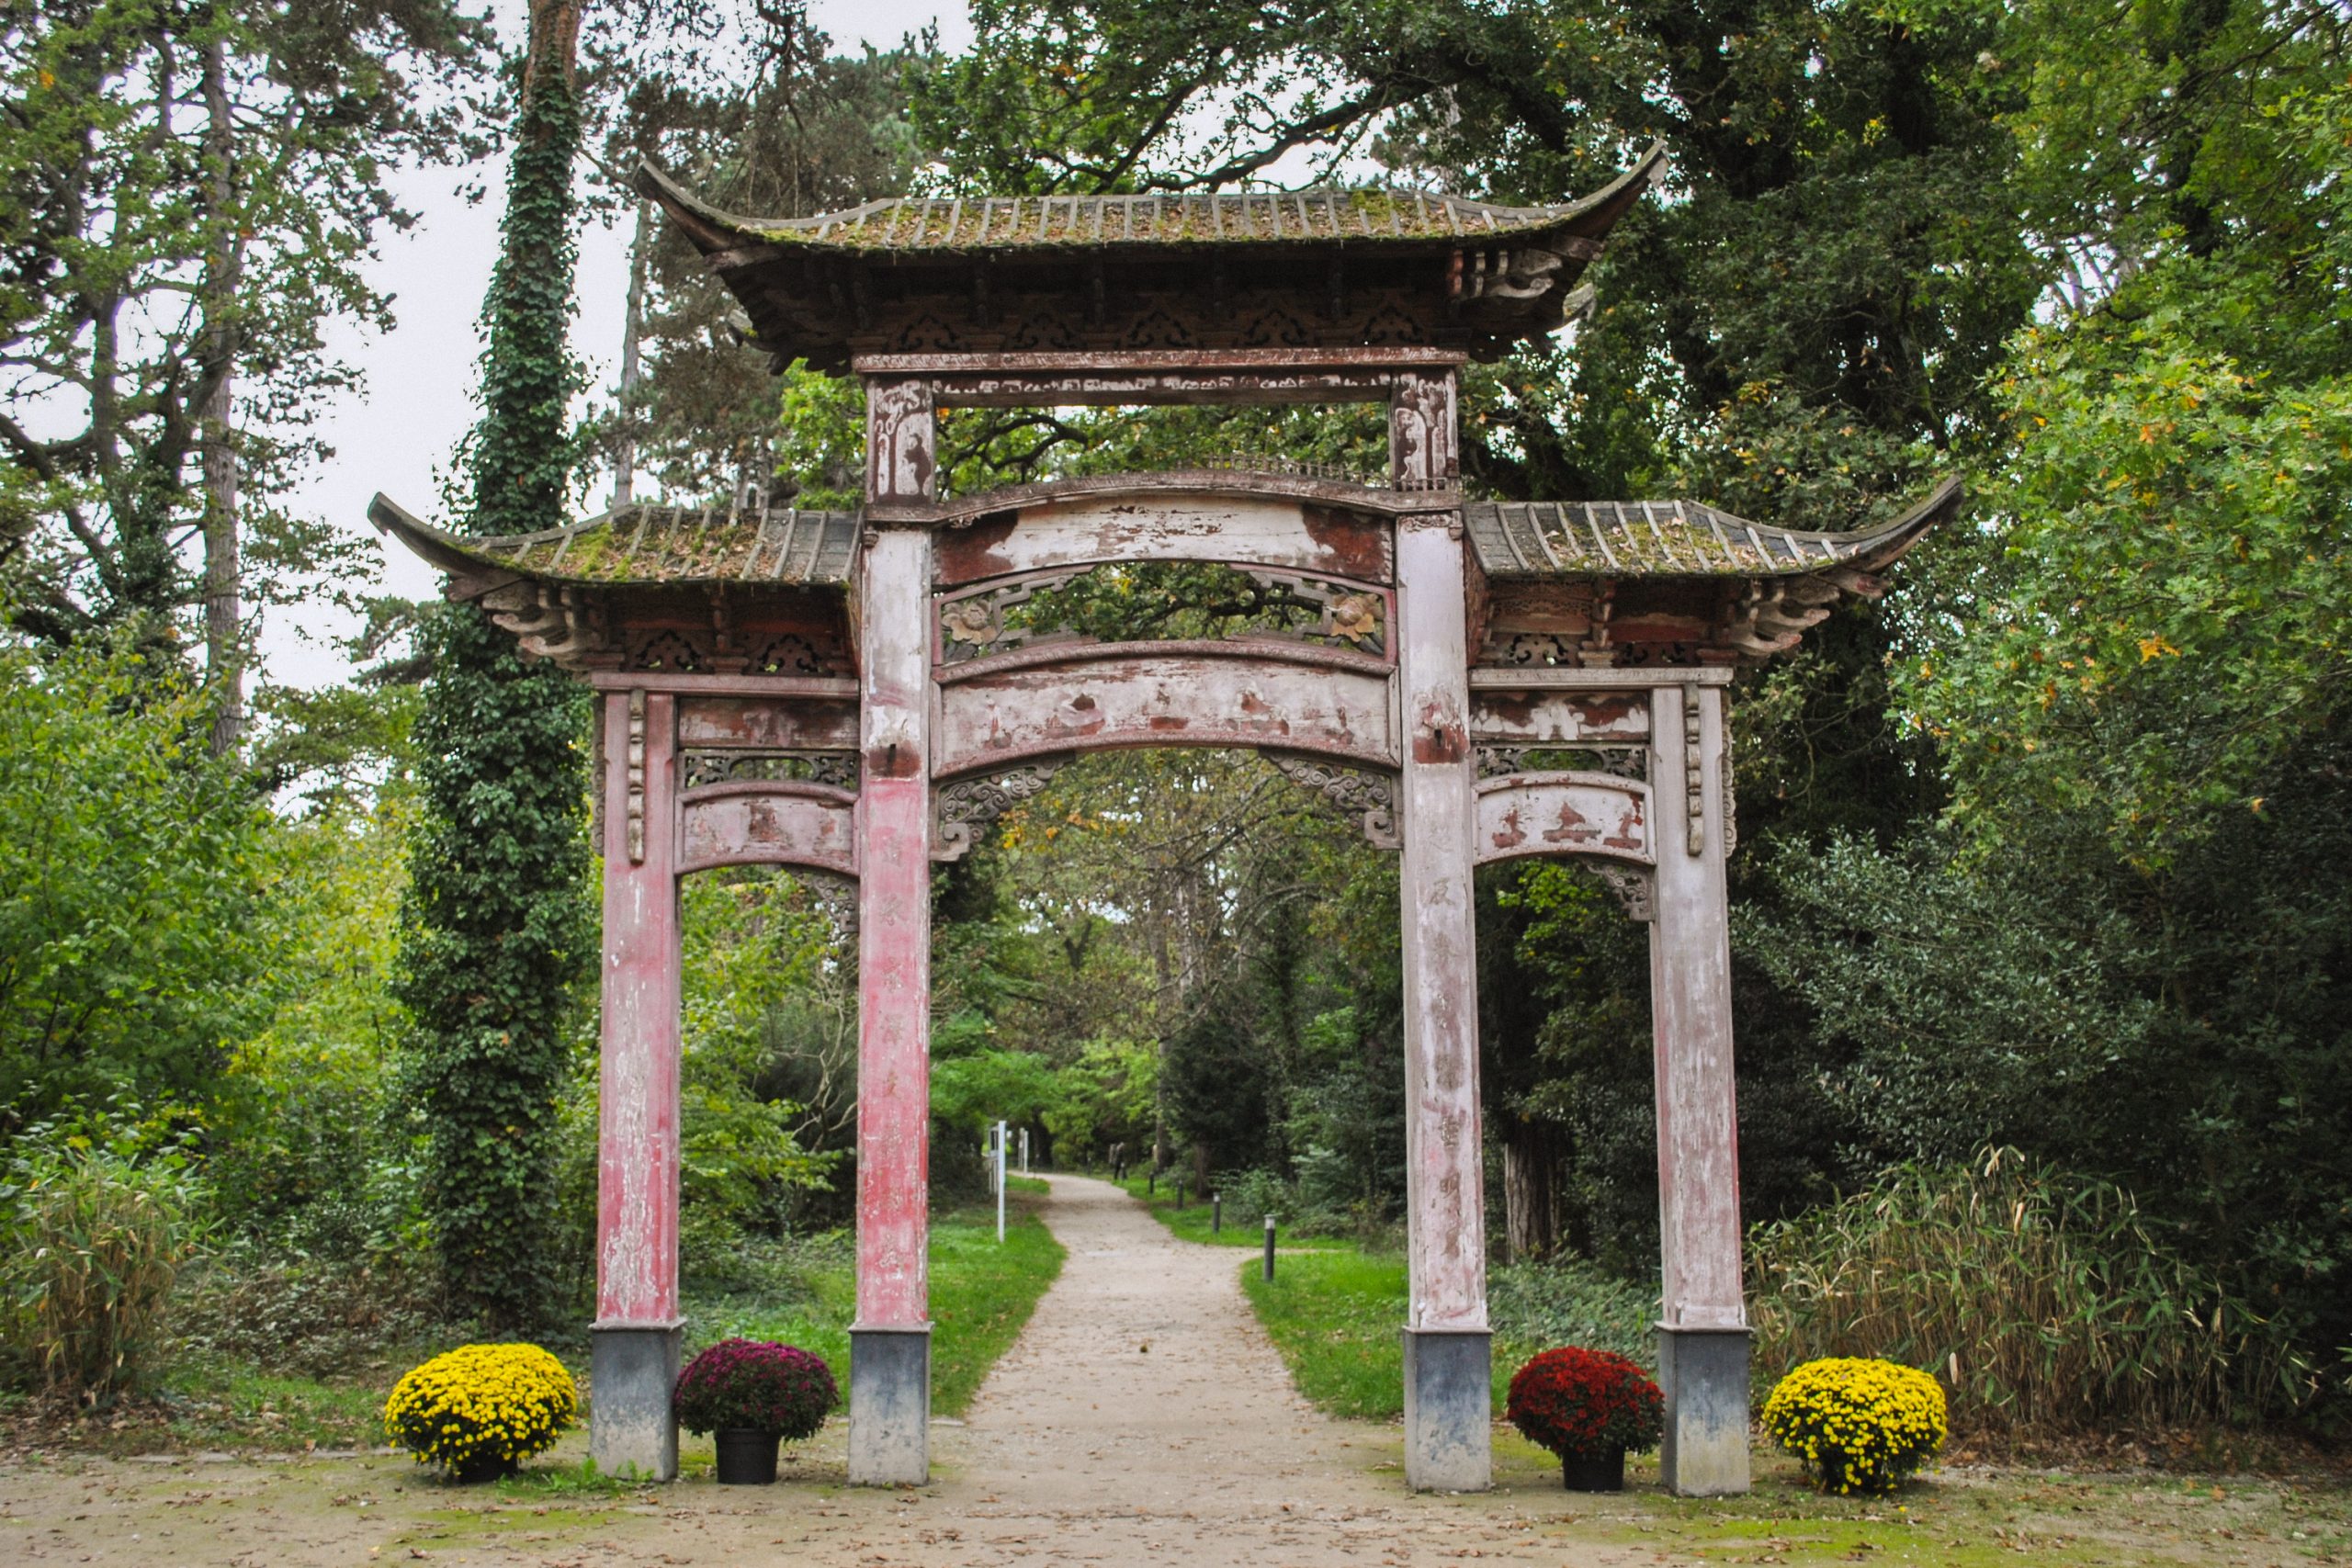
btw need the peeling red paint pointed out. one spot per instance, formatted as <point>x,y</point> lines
<point>1440,744</point>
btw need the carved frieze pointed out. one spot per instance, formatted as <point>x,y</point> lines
<point>838,769</point>
<point>636,778</point>
<point>961,809</point>
<point>1694,774</point>
<point>1629,761</point>
<point>1366,796</point>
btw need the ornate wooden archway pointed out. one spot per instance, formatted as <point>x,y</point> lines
<point>856,694</point>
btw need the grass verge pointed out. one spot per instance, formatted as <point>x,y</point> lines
<point>981,1296</point>
<point>1194,1220</point>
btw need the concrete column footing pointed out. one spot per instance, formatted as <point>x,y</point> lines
<point>1703,1372</point>
<point>632,1373</point>
<point>1448,1409</point>
<point>890,1407</point>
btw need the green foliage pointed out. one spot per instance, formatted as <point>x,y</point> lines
<point>186,194</point>
<point>139,894</point>
<point>2047,1303</point>
<point>496,939</point>
<point>96,1220</point>
<point>1105,1097</point>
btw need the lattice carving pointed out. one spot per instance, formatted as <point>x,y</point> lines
<point>792,654</point>
<point>1626,761</point>
<point>836,894</point>
<point>670,651</point>
<point>838,769</point>
<point>1365,795</point>
<point>961,809</point>
<point>1634,887</point>
<point>1328,612</point>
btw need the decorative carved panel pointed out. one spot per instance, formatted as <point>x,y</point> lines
<point>1628,761</point>
<point>1365,796</point>
<point>1293,606</point>
<point>1635,888</point>
<point>962,807</point>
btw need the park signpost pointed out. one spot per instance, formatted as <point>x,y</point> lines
<point>856,694</point>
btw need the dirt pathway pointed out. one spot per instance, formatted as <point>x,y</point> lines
<point>1142,1418</point>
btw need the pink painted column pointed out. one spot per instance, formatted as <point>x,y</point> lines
<point>1447,1394</point>
<point>889,1343</point>
<point>636,1335</point>
<point>1702,1332</point>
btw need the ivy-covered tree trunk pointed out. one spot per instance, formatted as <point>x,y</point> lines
<point>498,934</point>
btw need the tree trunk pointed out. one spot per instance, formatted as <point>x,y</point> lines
<point>1530,1187</point>
<point>632,330</point>
<point>223,607</point>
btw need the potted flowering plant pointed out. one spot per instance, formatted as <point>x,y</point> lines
<point>1588,1407</point>
<point>754,1393</point>
<point>478,1411</point>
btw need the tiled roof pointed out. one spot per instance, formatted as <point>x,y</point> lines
<point>1675,538</point>
<point>976,224</point>
<point>642,543</point>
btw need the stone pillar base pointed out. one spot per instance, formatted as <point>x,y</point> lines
<point>633,1373</point>
<point>890,1407</point>
<point>1703,1372</point>
<point>1448,1409</point>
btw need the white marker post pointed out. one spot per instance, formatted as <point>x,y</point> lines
<point>999,1181</point>
<point>1024,1151</point>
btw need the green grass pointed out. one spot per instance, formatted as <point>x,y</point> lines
<point>982,1295</point>
<point>1192,1222</point>
<point>1337,1316</point>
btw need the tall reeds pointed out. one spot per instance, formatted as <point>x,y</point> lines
<point>2041,1300</point>
<point>91,1239</point>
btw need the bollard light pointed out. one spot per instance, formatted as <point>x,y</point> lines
<point>1270,1248</point>
<point>1217,1213</point>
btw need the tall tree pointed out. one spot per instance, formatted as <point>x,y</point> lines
<point>157,157</point>
<point>498,926</point>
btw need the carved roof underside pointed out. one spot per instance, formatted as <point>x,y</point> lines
<point>1525,541</point>
<point>1319,268</point>
<point>763,590</point>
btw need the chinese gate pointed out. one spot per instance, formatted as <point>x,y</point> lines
<point>855,696</point>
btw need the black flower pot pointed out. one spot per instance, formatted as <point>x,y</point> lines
<point>1594,1473</point>
<point>747,1458</point>
<point>482,1466</point>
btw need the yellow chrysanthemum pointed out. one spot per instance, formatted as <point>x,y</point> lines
<point>481,1403</point>
<point>1857,1424</point>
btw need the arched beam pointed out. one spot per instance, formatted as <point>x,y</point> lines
<point>769,822</point>
<point>1580,814</point>
<point>1124,695</point>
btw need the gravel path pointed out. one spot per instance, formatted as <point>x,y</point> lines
<point>1142,1419</point>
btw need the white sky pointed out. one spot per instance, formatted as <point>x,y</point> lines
<point>419,376</point>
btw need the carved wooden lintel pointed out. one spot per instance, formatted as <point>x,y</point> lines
<point>1366,795</point>
<point>964,807</point>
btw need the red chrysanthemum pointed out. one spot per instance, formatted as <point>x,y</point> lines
<point>1583,1404</point>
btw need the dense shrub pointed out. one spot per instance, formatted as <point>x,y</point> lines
<point>1570,1300</point>
<point>2045,1300</point>
<point>755,1385</point>
<point>1856,1425</point>
<point>318,1314</point>
<point>1586,1403</point>
<point>481,1406</point>
<point>93,1230</point>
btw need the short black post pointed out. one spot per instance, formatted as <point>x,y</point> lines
<point>1217,1213</point>
<point>1269,1247</point>
<point>1151,1182</point>
<point>1180,1191</point>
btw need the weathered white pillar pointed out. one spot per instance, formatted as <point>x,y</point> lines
<point>634,1342</point>
<point>889,1395</point>
<point>1702,1331</point>
<point>1448,1389</point>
